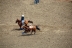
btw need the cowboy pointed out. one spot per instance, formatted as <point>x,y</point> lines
<point>22,19</point>
<point>36,1</point>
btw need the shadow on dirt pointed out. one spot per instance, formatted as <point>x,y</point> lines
<point>27,34</point>
<point>17,29</point>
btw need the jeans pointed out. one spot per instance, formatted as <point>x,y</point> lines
<point>37,1</point>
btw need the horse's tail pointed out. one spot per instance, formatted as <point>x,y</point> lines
<point>30,21</point>
<point>37,28</point>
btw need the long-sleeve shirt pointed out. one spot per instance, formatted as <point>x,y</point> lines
<point>22,18</point>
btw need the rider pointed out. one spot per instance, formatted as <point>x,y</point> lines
<point>22,19</point>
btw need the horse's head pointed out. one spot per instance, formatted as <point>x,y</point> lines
<point>30,21</point>
<point>16,20</point>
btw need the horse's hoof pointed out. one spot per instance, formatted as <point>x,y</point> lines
<point>23,33</point>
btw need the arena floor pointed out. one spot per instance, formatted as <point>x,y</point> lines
<point>54,17</point>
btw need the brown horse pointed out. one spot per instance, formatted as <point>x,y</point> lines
<point>25,23</point>
<point>30,29</point>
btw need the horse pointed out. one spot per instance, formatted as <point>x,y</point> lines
<point>25,22</point>
<point>30,29</point>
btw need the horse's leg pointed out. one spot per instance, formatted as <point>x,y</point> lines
<point>20,27</point>
<point>23,32</point>
<point>34,31</point>
<point>31,31</point>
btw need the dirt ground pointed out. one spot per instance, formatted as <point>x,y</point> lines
<point>54,17</point>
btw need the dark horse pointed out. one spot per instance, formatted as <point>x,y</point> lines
<point>25,23</point>
<point>30,29</point>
